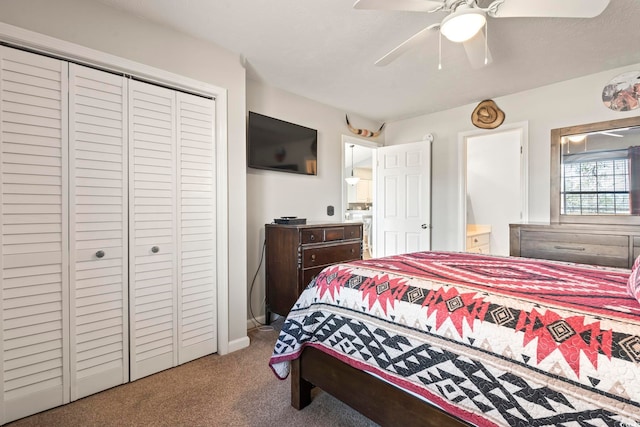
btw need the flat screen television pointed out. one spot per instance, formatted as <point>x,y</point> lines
<point>277,145</point>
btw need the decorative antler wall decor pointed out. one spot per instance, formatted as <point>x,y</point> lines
<point>364,132</point>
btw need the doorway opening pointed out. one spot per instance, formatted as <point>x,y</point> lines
<point>493,187</point>
<point>358,198</point>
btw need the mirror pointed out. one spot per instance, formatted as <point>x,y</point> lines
<point>595,173</point>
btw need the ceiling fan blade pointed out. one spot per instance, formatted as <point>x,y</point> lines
<point>475,49</point>
<point>407,5</point>
<point>415,40</point>
<point>548,8</point>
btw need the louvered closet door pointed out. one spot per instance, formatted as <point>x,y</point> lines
<point>153,256</point>
<point>98,230</point>
<point>196,222</point>
<point>34,254</point>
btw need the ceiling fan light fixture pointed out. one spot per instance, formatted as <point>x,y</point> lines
<point>463,24</point>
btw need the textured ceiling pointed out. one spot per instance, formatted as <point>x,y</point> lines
<point>325,50</point>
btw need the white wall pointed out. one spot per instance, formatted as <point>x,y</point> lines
<point>563,104</point>
<point>273,194</point>
<point>108,30</point>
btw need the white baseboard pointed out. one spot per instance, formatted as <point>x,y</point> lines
<point>238,344</point>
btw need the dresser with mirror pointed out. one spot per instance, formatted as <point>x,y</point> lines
<point>595,197</point>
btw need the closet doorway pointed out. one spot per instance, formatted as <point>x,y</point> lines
<point>66,148</point>
<point>494,187</point>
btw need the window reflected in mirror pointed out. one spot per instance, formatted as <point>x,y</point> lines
<point>600,172</point>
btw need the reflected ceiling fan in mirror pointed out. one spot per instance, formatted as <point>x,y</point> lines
<point>465,20</point>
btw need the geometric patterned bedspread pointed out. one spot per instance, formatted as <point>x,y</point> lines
<point>491,340</point>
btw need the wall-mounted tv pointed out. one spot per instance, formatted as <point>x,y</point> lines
<point>281,146</point>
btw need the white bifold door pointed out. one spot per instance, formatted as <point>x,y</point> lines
<point>64,232</point>
<point>98,227</point>
<point>107,231</point>
<point>34,236</point>
<point>172,259</point>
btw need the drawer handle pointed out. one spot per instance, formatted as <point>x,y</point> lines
<point>312,237</point>
<point>569,248</point>
<point>353,251</point>
<point>99,254</point>
<point>313,257</point>
<point>475,240</point>
<point>155,249</point>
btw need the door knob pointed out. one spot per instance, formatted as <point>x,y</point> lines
<point>99,254</point>
<point>155,249</point>
<point>424,226</point>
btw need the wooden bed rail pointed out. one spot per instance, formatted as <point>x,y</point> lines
<point>373,397</point>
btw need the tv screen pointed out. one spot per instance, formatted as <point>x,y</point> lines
<point>281,146</point>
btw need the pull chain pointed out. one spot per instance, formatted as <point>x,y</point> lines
<point>486,43</point>
<point>439,50</point>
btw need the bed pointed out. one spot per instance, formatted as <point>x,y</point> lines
<point>446,338</point>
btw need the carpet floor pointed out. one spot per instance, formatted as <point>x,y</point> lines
<point>238,389</point>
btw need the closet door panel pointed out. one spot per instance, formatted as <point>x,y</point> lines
<point>98,230</point>
<point>33,233</point>
<point>196,228</point>
<point>152,181</point>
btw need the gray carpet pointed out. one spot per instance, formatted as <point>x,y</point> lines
<point>238,389</point>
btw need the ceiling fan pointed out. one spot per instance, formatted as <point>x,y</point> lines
<point>465,19</point>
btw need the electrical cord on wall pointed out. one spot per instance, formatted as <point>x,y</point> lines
<point>262,326</point>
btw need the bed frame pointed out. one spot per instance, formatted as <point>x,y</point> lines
<point>378,400</point>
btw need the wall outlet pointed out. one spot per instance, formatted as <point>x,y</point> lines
<point>330,210</point>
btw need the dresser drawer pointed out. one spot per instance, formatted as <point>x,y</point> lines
<point>484,249</point>
<point>312,235</point>
<point>352,232</point>
<point>323,255</point>
<point>478,240</point>
<point>308,275</point>
<point>600,249</point>
<point>330,234</point>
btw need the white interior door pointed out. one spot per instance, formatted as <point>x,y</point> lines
<point>153,245</point>
<point>34,238</point>
<point>98,230</point>
<point>403,198</point>
<point>196,221</point>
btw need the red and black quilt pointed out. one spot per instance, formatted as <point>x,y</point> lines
<point>491,340</point>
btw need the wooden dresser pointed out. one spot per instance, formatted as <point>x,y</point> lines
<point>295,254</point>
<point>607,245</point>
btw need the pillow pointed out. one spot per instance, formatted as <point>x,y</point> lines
<point>633,284</point>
